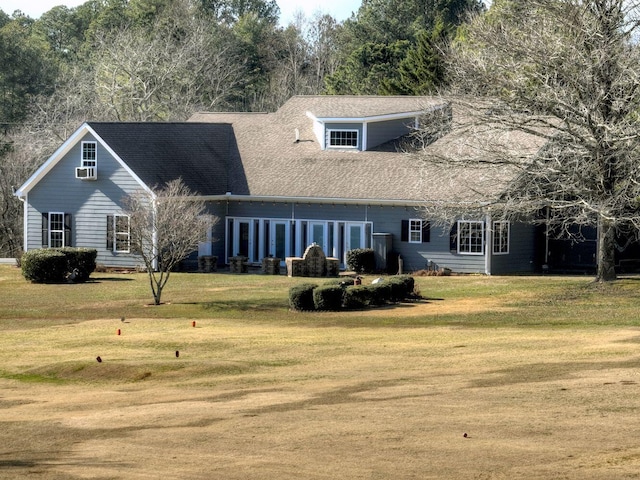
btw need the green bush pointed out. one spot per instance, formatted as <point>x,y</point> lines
<point>380,293</point>
<point>402,287</point>
<point>328,297</point>
<point>361,260</point>
<point>81,262</point>
<point>301,297</point>
<point>357,296</point>
<point>44,266</point>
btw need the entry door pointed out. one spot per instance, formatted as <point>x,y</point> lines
<point>279,241</point>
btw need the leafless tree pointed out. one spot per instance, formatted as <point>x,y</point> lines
<point>167,73</point>
<point>166,225</point>
<point>567,73</point>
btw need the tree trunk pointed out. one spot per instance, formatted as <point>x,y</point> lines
<point>606,252</point>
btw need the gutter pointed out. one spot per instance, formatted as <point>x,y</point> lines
<point>330,200</point>
<point>325,200</point>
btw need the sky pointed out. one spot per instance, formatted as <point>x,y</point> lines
<point>340,9</point>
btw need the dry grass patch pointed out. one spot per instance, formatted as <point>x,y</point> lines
<point>543,387</point>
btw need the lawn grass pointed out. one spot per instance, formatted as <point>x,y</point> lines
<point>541,373</point>
<point>518,301</point>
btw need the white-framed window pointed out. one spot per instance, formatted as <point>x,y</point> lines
<point>343,138</point>
<point>56,230</point>
<point>89,154</point>
<point>501,234</point>
<point>415,230</point>
<point>470,237</point>
<point>118,233</point>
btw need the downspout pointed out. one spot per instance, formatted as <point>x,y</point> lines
<point>154,238</point>
<point>488,246</point>
<point>25,223</point>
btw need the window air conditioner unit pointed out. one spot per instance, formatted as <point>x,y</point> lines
<point>86,173</point>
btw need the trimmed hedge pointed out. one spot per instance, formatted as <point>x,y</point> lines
<point>55,265</point>
<point>301,297</point>
<point>357,296</point>
<point>402,287</point>
<point>44,266</point>
<point>361,260</point>
<point>81,262</point>
<point>341,294</point>
<point>328,297</point>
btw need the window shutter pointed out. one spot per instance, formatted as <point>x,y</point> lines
<point>404,232</point>
<point>67,229</point>
<point>453,238</point>
<point>110,233</point>
<point>426,232</point>
<point>45,230</point>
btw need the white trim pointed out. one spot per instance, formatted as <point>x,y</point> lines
<point>373,118</point>
<point>420,222</point>
<point>25,222</point>
<point>330,146</point>
<point>50,230</point>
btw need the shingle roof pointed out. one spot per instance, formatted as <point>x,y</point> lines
<point>199,153</point>
<point>274,164</point>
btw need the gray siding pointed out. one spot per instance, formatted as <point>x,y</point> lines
<point>521,257</point>
<point>416,255</point>
<point>382,132</point>
<point>89,203</point>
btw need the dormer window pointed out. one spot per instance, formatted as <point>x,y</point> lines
<point>343,138</point>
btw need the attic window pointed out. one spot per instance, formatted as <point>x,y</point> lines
<point>88,154</point>
<point>88,162</point>
<point>343,138</point>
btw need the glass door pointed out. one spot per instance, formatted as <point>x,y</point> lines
<point>279,239</point>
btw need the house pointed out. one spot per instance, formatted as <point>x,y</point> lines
<point>322,169</point>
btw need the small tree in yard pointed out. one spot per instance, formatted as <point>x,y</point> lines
<point>166,226</point>
<point>566,72</point>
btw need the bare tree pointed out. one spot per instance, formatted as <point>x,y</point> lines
<point>166,226</point>
<point>166,73</point>
<point>567,73</point>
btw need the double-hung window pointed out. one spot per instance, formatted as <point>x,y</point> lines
<point>343,138</point>
<point>415,230</point>
<point>89,154</point>
<point>56,230</point>
<point>501,237</point>
<point>470,237</point>
<point>118,233</point>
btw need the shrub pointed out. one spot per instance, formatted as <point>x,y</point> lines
<point>44,266</point>
<point>328,297</point>
<point>361,260</point>
<point>357,296</point>
<point>81,262</point>
<point>380,293</point>
<point>301,297</point>
<point>401,287</point>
